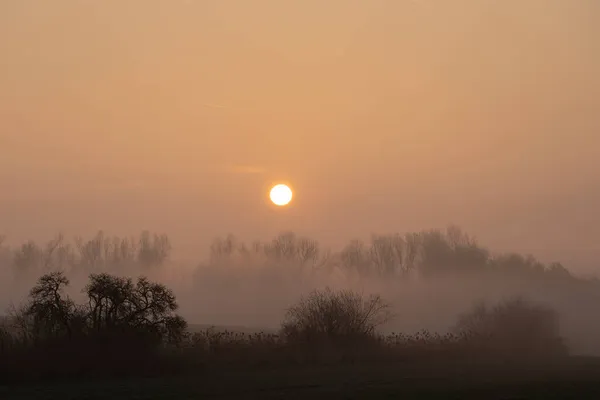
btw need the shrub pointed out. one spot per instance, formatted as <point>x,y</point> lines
<point>334,316</point>
<point>515,328</point>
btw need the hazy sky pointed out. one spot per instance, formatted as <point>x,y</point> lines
<point>385,115</point>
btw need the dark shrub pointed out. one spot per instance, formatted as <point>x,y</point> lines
<point>515,328</point>
<point>335,317</point>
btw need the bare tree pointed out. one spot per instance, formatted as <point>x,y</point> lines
<point>282,247</point>
<point>115,305</point>
<point>335,315</point>
<point>50,309</point>
<point>387,253</point>
<point>19,324</point>
<point>92,253</point>
<point>223,248</point>
<point>122,251</point>
<point>307,250</point>
<point>153,250</point>
<point>116,302</point>
<point>355,256</point>
<point>412,242</point>
<point>28,257</point>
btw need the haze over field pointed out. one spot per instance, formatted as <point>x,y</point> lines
<point>354,196</point>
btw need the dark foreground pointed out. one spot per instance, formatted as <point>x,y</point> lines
<point>577,378</point>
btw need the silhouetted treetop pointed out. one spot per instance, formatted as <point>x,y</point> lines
<point>114,304</point>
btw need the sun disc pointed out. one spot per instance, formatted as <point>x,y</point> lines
<point>281,195</point>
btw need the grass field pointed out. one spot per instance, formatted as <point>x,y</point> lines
<point>578,378</point>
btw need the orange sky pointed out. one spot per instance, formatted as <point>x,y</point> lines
<point>385,115</point>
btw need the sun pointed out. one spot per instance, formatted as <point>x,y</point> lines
<point>281,195</point>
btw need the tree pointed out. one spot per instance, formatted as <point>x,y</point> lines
<point>335,316</point>
<point>558,271</point>
<point>223,248</point>
<point>355,256</point>
<point>436,253</point>
<point>92,253</point>
<point>50,311</point>
<point>518,265</point>
<point>122,251</point>
<point>283,247</point>
<point>388,254</point>
<point>117,303</point>
<point>307,250</point>
<point>116,306</point>
<point>289,247</point>
<point>28,257</point>
<point>153,250</point>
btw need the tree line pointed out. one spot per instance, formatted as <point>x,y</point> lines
<point>148,250</point>
<point>419,254</point>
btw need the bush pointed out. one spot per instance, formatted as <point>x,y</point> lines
<point>335,317</point>
<point>515,328</point>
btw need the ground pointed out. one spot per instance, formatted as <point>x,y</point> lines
<point>579,378</point>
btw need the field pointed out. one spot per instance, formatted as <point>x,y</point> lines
<point>578,378</point>
<point>328,345</point>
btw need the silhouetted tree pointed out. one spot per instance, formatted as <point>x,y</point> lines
<point>334,316</point>
<point>49,309</point>
<point>115,306</point>
<point>117,303</point>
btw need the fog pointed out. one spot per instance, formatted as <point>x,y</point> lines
<point>249,287</point>
<point>384,116</point>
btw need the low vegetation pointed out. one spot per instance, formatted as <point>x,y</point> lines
<point>513,328</point>
<point>121,326</point>
<point>125,328</point>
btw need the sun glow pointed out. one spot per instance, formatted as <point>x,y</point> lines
<point>281,195</point>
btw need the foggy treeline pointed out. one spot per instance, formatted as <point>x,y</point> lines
<point>429,278</point>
